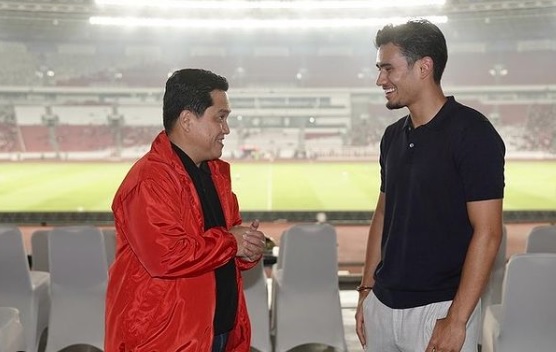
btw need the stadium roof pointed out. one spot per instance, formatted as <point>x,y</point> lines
<point>468,20</point>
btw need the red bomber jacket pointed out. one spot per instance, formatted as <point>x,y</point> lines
<point>161,293</point>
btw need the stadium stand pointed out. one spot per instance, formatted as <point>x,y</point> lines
<point>90,128</point>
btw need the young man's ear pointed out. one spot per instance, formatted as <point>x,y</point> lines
<point>426,66</point>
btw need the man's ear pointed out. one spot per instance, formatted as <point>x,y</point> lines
<point>184,120</point>
<point>426,66</point>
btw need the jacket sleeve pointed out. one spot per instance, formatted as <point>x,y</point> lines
<point>243,264</point>
<point>235,219</point>
<point>156,233</point>
<point>230,204</point>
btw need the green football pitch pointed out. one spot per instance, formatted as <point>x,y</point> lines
<point>343,186</point>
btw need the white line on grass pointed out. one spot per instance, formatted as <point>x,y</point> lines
<point>269,187</point>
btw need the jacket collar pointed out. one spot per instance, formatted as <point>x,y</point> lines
<point>162,151</point>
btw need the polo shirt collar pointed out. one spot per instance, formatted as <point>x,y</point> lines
<point>441,115</point>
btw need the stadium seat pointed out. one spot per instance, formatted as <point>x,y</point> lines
<point>493,291</point>
<point>306,307</point>
<point>110,244</point>
<point>541,239</point>
<point>526,317</point>
<point>39,250</point>
<point>79,274</point>
<point>11,330</point>
<point>21,288</point>
<point>256,297</point>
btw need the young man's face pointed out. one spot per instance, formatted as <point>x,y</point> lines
<point>399,81</point>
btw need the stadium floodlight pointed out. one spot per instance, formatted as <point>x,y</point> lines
<point>271,4</point>
<point>249,24</point>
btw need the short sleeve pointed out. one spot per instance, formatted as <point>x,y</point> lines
<point>480,159</point>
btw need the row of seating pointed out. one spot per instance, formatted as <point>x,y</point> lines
<point>303,306</point>
<point>519,303</point>
<point>541,239</point>
<point>65,303</point>
<point>67,283</point>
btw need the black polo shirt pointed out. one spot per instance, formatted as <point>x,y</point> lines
<point>428,175</point>
<point>226,284</point>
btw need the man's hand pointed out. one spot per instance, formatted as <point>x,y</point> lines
<point>251,242</point>
<point>447,336</point>
<point>359,320</point>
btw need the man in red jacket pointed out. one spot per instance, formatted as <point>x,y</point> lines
<point>175,284</point>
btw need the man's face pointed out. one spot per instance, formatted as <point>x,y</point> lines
<point>398,80</point>
<point>207,132</point>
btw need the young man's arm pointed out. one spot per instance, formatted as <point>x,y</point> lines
<point>372,258</point>
<point>486,220</point>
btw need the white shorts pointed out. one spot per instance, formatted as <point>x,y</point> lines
<point>409,330</point>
